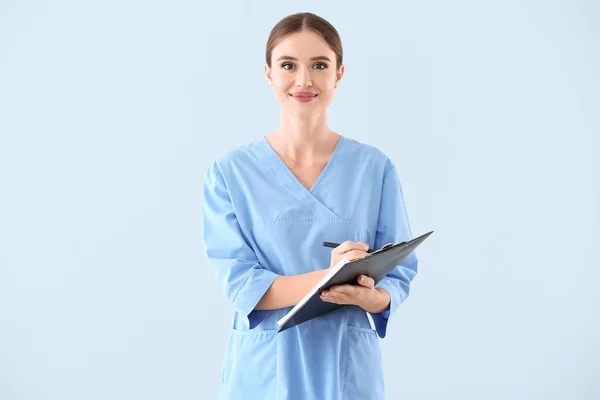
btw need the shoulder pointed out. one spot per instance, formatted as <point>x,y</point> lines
<point>237,158</point>
<point>368,154</point>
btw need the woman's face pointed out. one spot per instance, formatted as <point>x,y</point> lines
<point>303,73</point>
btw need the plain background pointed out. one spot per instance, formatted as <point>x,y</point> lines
<point>110,113</point>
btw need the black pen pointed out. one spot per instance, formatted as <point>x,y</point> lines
<point>334,245</point>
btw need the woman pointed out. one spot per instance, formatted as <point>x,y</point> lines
<point>267,208</point>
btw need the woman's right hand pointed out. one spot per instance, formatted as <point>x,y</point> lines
<point>350,251</point>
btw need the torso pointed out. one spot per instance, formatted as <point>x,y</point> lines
<point>280,225</point>
<point>307,175</point>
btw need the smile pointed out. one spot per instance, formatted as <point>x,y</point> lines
<point>304,98</point>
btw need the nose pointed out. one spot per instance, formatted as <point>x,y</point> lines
<point>303,78</point>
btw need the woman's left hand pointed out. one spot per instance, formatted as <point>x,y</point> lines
<point>364,295</point>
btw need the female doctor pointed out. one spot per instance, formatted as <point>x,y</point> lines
<point>267,208</point>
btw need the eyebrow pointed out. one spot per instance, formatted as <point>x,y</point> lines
<point>321,58</point>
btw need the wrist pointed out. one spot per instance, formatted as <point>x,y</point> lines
<point>375,300</point>
<point>381,302</point>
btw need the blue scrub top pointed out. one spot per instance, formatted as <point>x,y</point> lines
<point>260,222</point>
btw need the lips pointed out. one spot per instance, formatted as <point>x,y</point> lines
<point>304,95</point>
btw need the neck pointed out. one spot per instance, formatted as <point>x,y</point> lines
<point>303,139</point>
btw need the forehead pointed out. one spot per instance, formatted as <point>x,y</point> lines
<point>305,44</point>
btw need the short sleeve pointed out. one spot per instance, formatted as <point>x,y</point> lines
<point>393,227</point>
<point>240,276</point>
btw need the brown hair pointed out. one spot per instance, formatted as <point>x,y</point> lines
<point>305,22</point>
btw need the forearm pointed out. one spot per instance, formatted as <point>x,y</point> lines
<point>288,290</point>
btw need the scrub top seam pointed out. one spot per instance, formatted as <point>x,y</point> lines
<point>308,221</point>
<point>328,165</point>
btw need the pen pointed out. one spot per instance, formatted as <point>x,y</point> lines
<point>334,245</point>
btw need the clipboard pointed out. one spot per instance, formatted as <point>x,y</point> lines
<point>375,265</point>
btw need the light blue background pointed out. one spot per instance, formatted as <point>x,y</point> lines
<point>110,113</point>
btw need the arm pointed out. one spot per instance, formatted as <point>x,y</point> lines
<point>253,289</point>
<point>239,274</point>
<point>289,290</point>
<point>392,227</point>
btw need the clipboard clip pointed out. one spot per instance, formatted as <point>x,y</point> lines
<point>383,248</point>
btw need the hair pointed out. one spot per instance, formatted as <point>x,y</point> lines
<point>305,22</point>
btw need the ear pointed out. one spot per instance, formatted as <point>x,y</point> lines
<point>340,73</point>
<point>268,72</point>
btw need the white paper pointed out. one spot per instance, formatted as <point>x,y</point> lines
<point>301,303</point>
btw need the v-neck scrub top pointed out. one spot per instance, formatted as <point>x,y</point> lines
<point>260,222</point>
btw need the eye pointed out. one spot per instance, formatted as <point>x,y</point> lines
<point>319,65</point>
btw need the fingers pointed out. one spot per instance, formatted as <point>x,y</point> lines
<point>349,245</point>
<point>343,294</point>
<point>355,255</point>
<point>366,281</point>
<point>351,290</point>
<point>337,298</point>
<point>337,289</point>
<point>352,250</point>
<point>347,290</point>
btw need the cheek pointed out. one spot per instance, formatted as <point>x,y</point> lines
<point>327,96</point>
<point>283,97</point>
<point>282,78</point>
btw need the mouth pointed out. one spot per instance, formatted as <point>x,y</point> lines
<point>304,96</point>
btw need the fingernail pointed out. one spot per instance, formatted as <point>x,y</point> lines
<point>366,246</point>
<point>362,278</point>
